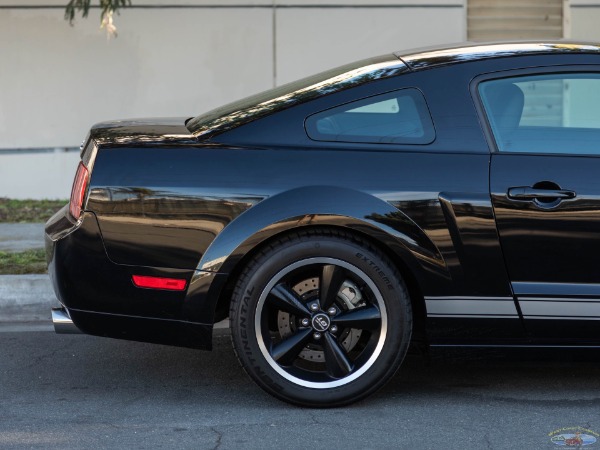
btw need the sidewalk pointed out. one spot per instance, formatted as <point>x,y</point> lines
<point>24,298</point>
<point>18,237</point>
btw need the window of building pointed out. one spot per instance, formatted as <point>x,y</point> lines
<point>494,20</point>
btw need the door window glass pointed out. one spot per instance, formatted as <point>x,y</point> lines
<point>558,113</point>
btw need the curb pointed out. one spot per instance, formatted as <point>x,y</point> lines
<point>26,298</point>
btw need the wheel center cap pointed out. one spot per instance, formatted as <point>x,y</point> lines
<point>321,322</point>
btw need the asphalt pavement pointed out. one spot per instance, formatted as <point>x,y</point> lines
<point>78,391</point>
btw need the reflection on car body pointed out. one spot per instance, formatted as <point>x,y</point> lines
<point>439,197</point>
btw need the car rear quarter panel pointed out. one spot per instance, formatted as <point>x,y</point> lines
<point>198,209</point>
<point>204,208</point>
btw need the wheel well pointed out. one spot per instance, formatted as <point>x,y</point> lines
<point>416,297</point>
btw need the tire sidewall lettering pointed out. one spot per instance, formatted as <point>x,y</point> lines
<point>377,269</point>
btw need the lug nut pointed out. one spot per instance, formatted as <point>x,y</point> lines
<point>305,322</point>
<point>317,336</point>
<point>332,311</point>
<point>314,306</point>
<point>333,328</point>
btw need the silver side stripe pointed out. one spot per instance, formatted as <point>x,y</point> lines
<point>472,316</point>
<point>459,306</point>
<point>504,307</point>
<point>565,301</point>
<point>553,308</point>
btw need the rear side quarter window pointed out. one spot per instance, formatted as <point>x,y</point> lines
<point>398,117</point>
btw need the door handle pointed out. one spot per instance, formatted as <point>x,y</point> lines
<point>532,193</point>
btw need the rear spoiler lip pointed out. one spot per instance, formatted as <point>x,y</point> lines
<point>152,131</point>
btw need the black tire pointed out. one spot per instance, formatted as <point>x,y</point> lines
<point>332,358</point>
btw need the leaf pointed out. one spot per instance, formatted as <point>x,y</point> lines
<point>83,6</point>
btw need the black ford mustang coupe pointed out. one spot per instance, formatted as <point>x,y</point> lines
<point>441,197</point>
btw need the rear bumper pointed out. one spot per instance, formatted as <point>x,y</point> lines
<point>98,297</point>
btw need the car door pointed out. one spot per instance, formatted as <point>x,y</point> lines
<point>545,189</point>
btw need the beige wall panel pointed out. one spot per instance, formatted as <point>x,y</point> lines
<point>585,23</point>
<point>141,3</point>
<point>37,175</point>
<point>369,2</point>
<point>58,80</point>
<point>310,40</point>
<point>582,2</point>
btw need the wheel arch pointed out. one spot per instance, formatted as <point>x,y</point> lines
<point>408,271</point>
<point>320,207</point>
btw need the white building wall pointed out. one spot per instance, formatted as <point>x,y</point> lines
<point>584,20</point>
<point>310,40</point>
<point>36,174</point>
<point>174,60</point>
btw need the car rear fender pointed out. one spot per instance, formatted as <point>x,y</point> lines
<point>323,206</point>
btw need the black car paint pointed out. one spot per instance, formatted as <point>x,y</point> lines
<point>283,97</point>
<point>162,202</point>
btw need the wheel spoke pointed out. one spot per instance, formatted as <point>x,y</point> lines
<point>367,318</point>
<point>336,361</point>
<point>332,278</point>
<point>283,297</point>
<point>287,350</point>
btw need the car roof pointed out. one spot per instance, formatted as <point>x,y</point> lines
<point>428,57</point>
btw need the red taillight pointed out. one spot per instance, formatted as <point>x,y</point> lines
<point>170,284</point>
<point>78,191</point>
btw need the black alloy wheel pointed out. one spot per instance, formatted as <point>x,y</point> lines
<point>320,318</point>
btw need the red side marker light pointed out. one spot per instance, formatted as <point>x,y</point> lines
<point>169,284</point>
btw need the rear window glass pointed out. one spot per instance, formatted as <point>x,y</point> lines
<point>399,117</point>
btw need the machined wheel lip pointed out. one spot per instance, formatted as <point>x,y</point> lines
<point>325,384</point>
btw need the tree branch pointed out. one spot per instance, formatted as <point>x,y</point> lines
<point>83,6</point>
